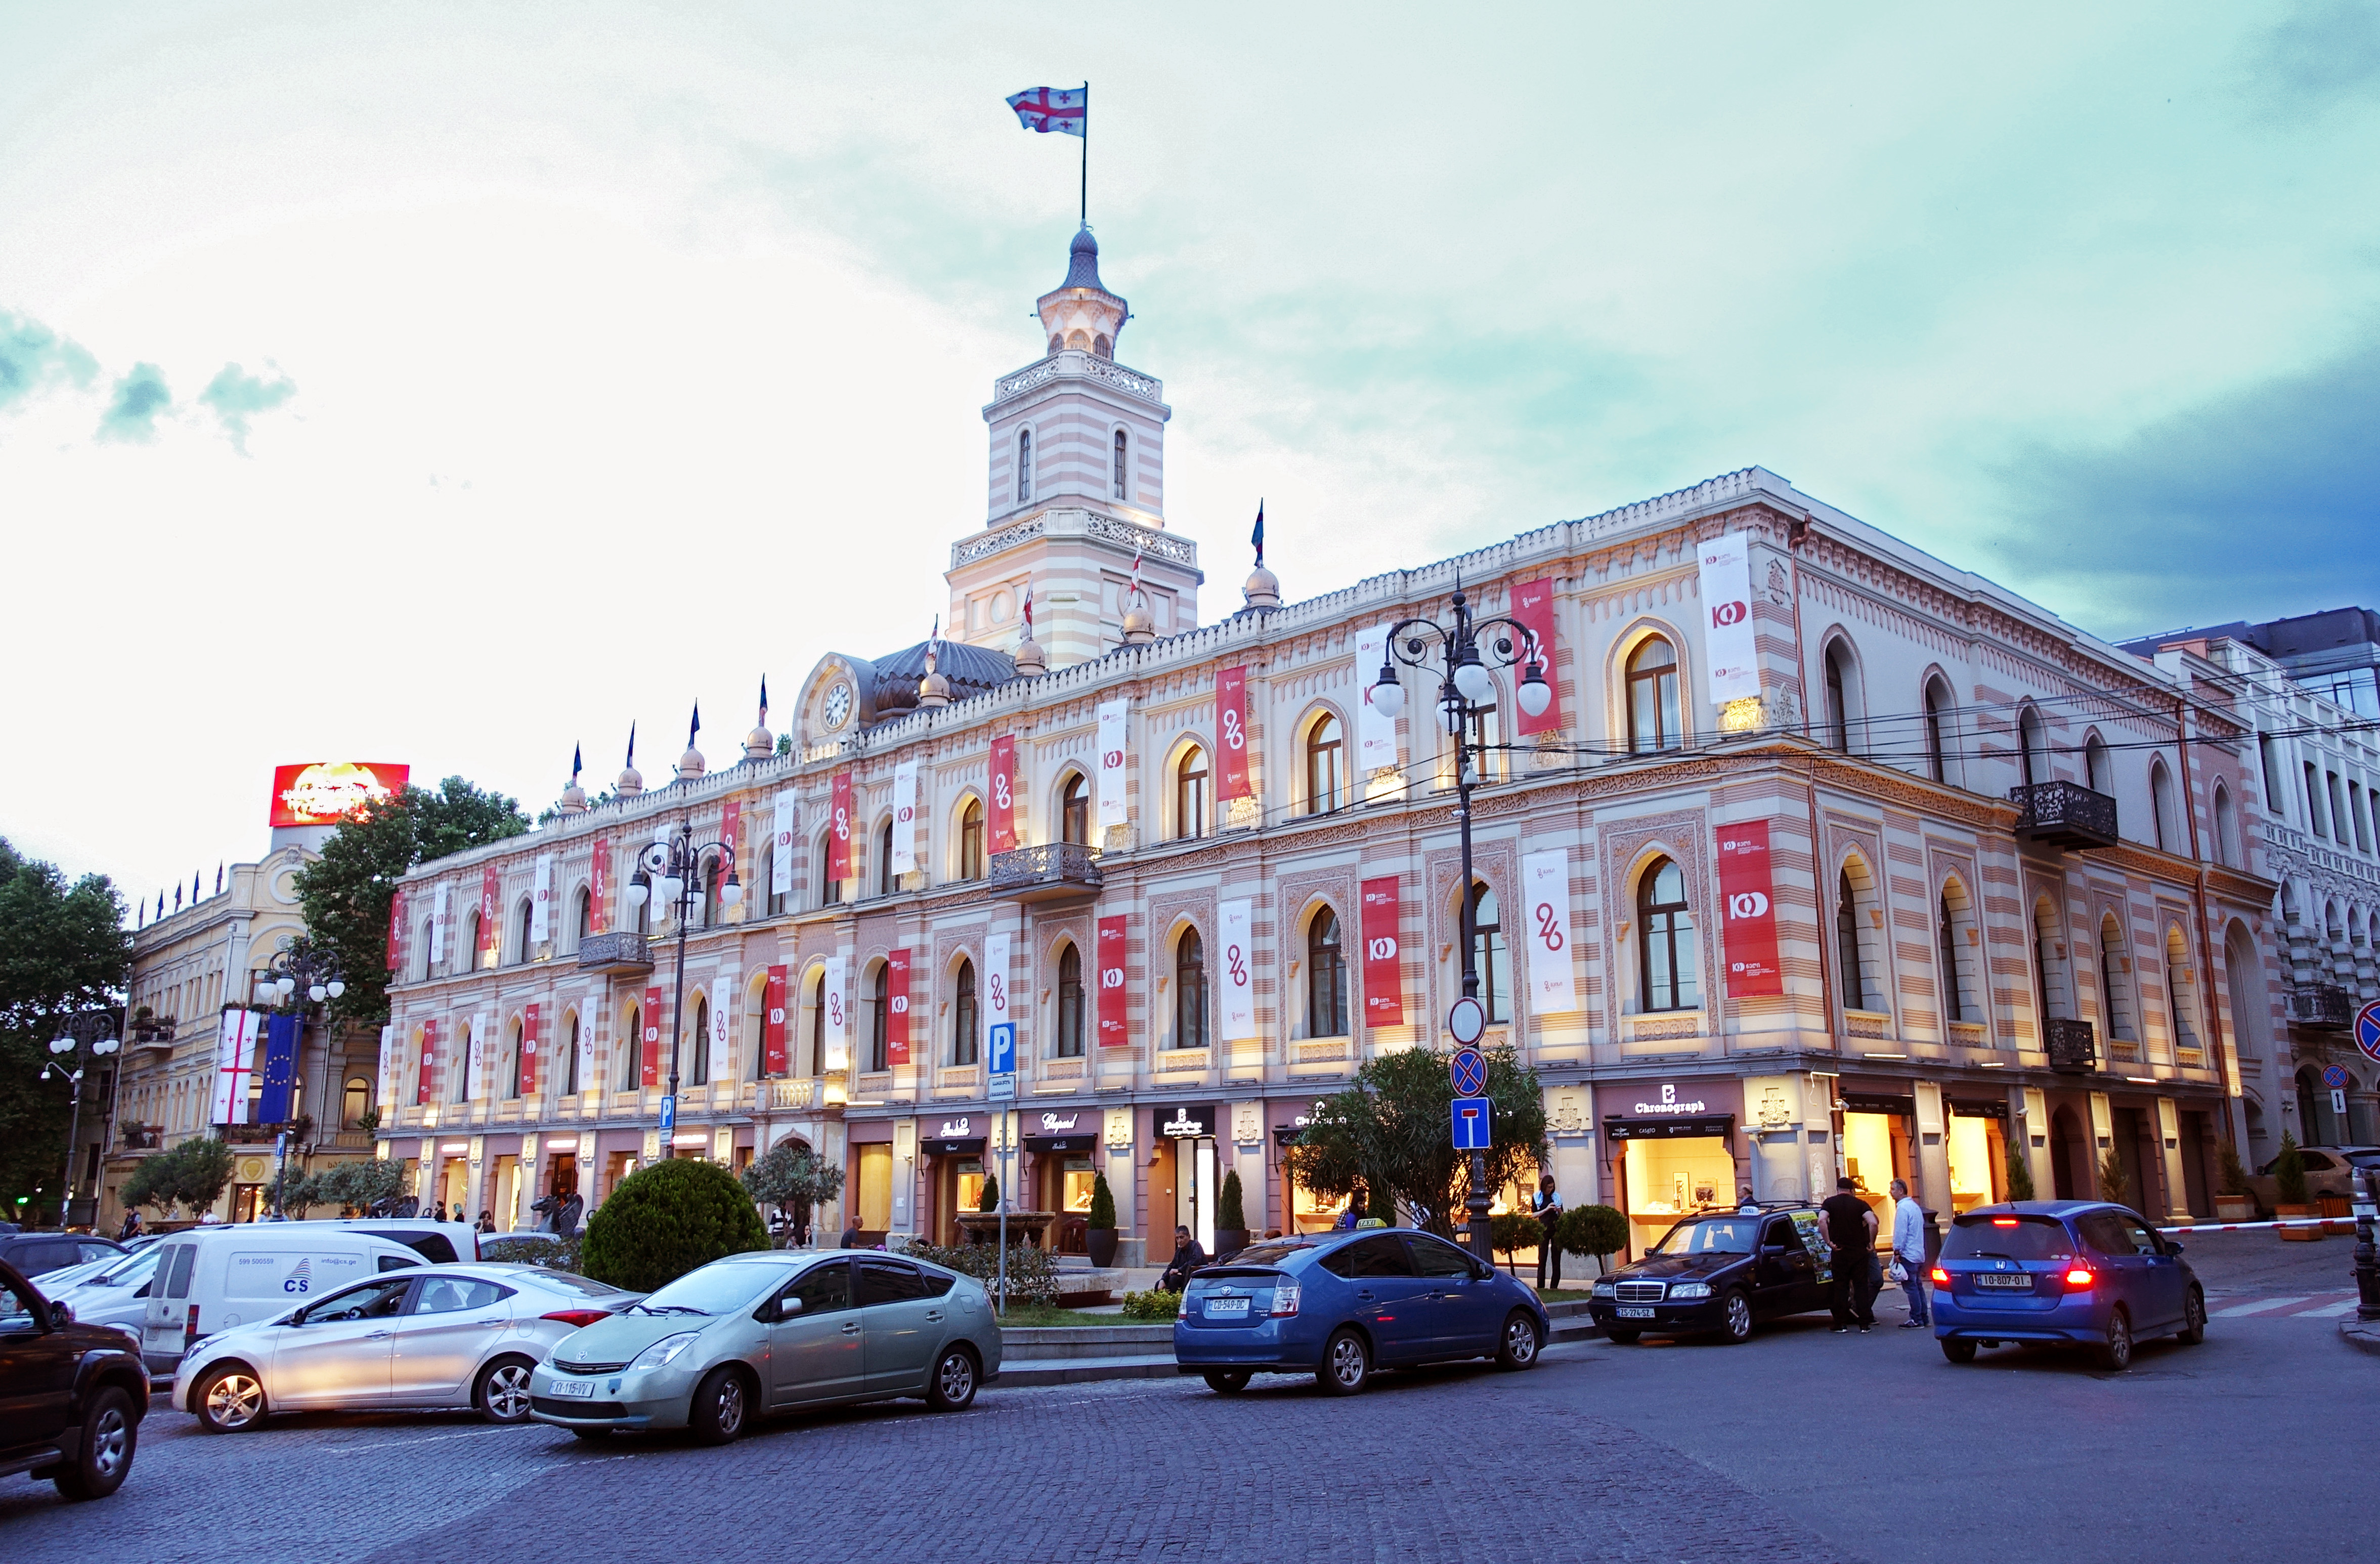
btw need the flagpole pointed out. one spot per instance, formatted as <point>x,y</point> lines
<point>1086,217</point>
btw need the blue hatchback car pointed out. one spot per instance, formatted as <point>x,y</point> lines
<point>1338,1305</point>
<point>2065,1272</point>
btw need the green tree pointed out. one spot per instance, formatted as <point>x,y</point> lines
<point>1390,1133</point>
<point>1231,1206</point>
<point>201,1168</point>
<point>293,1191</point>
<point>63,949</point>
<point>668,1219</point>
<point>345,893</point>
<point>2019,1169</point>
<point>794,1180</point>
<point>151,1183</point>
<point>1512,1232</point>
<point>2235,1172</point>
<point>2113,1185</point>
<point>1596,1230</point>
<point>2289,1174</point>
<point>359,1183</point>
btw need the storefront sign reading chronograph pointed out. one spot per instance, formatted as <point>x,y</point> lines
<point>1744,891</point>
<point>1000,816</point>
<point>773,1023</point>
<point>1670,1103</point>
<point>1384,991</point>
<point>1188,1123</point>
<point>319,792</point>
<point>838,835</point>
<point>1114,1027</point>
<point>1231,735</point>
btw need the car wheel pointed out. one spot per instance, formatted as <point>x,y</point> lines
<point>2194,1320</point>
<point>1227,1382</point>
<point>1346,1364</point>
<point>720,1406</point>
<point>1957,1350</point>
<point>230,1400</point>
<point>2114,1354</point>
<point>1738,1313</point>
<point>104,1459</point>
<point>955,1378</point>
<point>1519,1347</point>
<point>502,1393</point>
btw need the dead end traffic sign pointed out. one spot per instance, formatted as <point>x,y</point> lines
<point>1471,1124</point>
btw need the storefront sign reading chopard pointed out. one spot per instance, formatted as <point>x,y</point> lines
<point>1670,1103</point>
<point>1058,1123</point>
<point>1189,1123</point>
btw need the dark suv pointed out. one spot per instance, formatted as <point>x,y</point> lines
<point>71,1396</point>
<point>1717,1274</point>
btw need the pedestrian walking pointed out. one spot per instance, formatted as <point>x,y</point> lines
<point>1851,1236</point>
<point>1909,1253</point>
<point>487,1220</point>
<point>131,1226</point>
<point>1549,1212</point>
<point>850,1238</point>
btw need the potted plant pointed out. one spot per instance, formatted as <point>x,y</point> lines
<point>2114,1184</point>
<point>2019,1169</point>
<point>1100,1228</point>
<point>2289,1197</point>
<point>2235,1202</point>
<point>1231,1218</point>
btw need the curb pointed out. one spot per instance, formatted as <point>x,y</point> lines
<point>2360,1333</point>
<point>1082,1371</point>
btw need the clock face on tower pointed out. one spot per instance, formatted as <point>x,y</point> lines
<point>838,705</point>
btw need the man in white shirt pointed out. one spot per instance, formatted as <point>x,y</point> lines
<point>1909,1248</point>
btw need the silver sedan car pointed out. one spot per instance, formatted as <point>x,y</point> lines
<point>440,1335</point>
<point>772,1331</point>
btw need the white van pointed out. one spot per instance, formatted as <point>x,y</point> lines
<point>441,1243</point>
<point>211,1279</point>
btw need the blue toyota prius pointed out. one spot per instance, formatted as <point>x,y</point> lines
<point>1338,1305</point>
<point>2063,1272</point>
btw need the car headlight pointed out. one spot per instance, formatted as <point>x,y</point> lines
<point>1690,1290</point>
<point>660,1353</point>
<point>1607,1289</point>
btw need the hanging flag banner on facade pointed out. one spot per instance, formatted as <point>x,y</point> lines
<point>280,1070</point>
<point>1115,1028</point>
<point>397,929</point>
<point>438,926</point>
<point>475,1059</point>
<point>384,1097</point>
<point>586,1030</point>
<point>838,830</point>
<point>835,996</point>
<point>649,1058</point>
<point>1728,641</point>
<point>997,1009</point>
<point>781,848</point>
<point>541,905</point>
<point>1231,735</point>
<point>423,1084</point>
<point>1375,731</point>
<point>1000,816</point>
<point>731,835</point>
<point>1532,605</point>
<point>1112,808</point>
<point>599,888</point>
<point>1745,892</point>
<point>1544,891</point>
<point>528,1050</point>
<point>773,1024</point>
<point>235,1051</point>
<point>905,818</point>
<point>1384,985</point>
<point>491,921</point>
<point>1238,921</point>
<point>896,1009</point>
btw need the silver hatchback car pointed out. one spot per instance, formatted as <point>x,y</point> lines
<point>772,1331</point>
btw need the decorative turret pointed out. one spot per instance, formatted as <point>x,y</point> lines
<point>1262,591</point>
<point>760,744</point>
<point>632,781</point>
<point>1139,629</point>
<point>1078,312</point>
<point>933,689</point>
<point>689,765</point>
<point>574,797</point>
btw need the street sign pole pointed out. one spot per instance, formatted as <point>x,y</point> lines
<point>1003,1075</point>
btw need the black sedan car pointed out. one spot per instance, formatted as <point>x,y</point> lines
<point>1717,1275</point>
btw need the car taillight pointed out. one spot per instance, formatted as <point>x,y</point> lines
<point>578,1319</point>
<point>1284,1299</point>
<point>191,1329</point>
<point>2078,1277</point>
<point>2004,1221</point>
<point>1941,1276</point>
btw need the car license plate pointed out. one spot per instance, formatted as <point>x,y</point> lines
<point>1635,1313</point>
<point>1990,1279</point>
<point>582,1389</point>
<point>1227,1305</point>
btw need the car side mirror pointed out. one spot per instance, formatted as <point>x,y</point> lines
<point>1772,1252</point>
<point>61,1316</point>
<point>788,1307</point>
<point>2173,1247</point>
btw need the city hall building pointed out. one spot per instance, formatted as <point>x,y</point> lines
<point>1825,857</point>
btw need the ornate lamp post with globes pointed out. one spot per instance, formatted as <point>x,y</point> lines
<point>94,1030</point>
<point>297,968</point>
<point>670,871</point>
<point>1466,685</point>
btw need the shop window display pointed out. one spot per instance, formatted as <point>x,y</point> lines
<point>1670,1179</point>
<point>873,1199</point>
<point>1975,1152</point>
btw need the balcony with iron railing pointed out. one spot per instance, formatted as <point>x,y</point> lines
<point>1052,872</point>
<point>2065,815</point>
<point>2321,1007</point>
<point>141,1137</point>
<point>2073,1048</point>
<point>622,953</point>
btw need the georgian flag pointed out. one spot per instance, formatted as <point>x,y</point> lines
<point>1065,110</point>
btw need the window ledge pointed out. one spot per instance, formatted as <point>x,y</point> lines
<point>1651,1025</point>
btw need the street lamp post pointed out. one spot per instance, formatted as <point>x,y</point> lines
<point>316,972</point>
<point>1466,686</point>
<point>94,1030</point>
<point>670,871</point>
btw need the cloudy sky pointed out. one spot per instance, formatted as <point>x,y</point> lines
<point>453,384</point>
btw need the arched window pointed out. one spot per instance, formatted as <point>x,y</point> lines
<point>886,881</point>
<point>1850,963</point>
<point>1954,954</point>
<point>1023,466</point>
<point>632,1047</point>
<point>468,956</point>
<point>1484,733</point>
<point>1324,768</point>
<point>1653,716</point>
<point>2115,982</point>
<point>714,911</point>
<point>2227,829</point>
<point>1326,978</point>
<point>1075,810</point>
<point>1070,1003</point>
<point>971,840</point>
<point>2049,962</point>
<point>523,950</point>
<point>2180,992</point>
<point>962,1016</point>
<point>2098,766</point>
<point>2032,747</point>
<point>2166,828</point>
<point>1122,445</point>
<point>773,897</point>
<point>1190,794</point>
<point>428,926</point>
<point>1190,990</point>
<point>1489,957</point>
<point>830,888</point>
<point>583,917</point>
<point>880,1017</point>
<point>570,1086</point>
<point>354,1101</point>
<point>644,918</point>
<point>1842,683</point>
<point>1670,967</point>
<point>701,1076</point>
<point>513,1061</point>
<point>1938,729</point>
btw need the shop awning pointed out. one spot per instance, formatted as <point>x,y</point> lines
<point>1967,1109</point>
<point>1287,1134</point>
<point>1683,1127</point>
<point>1081,1141</point>
<point>969,1146</point>
<point>1878,1102</point>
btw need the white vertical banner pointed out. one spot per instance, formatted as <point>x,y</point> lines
<point>587,1076</point>
<point>234,1061</point>
<point>996,987</point>
<point>1237,948</point>
<point>438,928</point>
<point>905,818</point>
<point>781,848</point>
<point>723,1028</point>
<point>475,1058</point>
<point>386,1101</point>
<point>541,905</point>
<point>1545,893</point>
<point>837,1000</point>
<point>1728,646</point>
<point>1375,731</point>
<point>1113,811</point>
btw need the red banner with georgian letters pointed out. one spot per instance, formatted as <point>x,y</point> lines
<point>1746,896</point>
<point>429,1062</point>
<point>731,826</point>
<point>1384,983</point>
<point>896,1007</point>
<point>1231,735</point>
<point>838,830</point>
<point>772,1025</point>
<point>1115,1031</point>
<point>1532,605</point>
<point>1001,817</point>
<point>528,1051</point>
<point>599,888</point>
<point>648,1072</point>
<point>491,922</point>
<point>395,930</point>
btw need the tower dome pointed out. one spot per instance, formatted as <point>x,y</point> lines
<point>630,784</point>
<point>1079,312</point>
<point>1263,590</point>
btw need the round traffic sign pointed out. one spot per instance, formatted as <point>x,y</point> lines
<point>1468,1020</point>
<point>1469,1070</point>
<point>2367,1030</point>
<point>2335,1077</point>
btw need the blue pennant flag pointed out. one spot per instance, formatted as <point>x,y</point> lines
<point>280,1068</point>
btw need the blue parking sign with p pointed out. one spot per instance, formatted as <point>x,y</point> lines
<point>1004,1048</point>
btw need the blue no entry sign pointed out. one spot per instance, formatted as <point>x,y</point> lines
<point>2367,1030</point>
<point>1469,1070</point>
<point>1470,1124</point>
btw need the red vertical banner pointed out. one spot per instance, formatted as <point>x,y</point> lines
<point>599,888</point>
<point>395,930</point>
<point>772,1025</point>
<point>1532,605</point>
<point>838,830</point>
<point>730,833</point>
<point>1231,735</point>
<point>896,1006</point>
<point>422,1087</point>
<point>1115,1029</point>
<point>491,922</point>
<point>1745,892</point>
<point>1001,817</point>
<point>648,1072</point>
<point>528,1051</point>
<point>1384,981</point>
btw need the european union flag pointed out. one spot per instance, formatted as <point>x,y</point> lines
<point>280,1068</point>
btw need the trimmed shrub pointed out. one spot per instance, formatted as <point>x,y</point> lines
<point>1155,1304</point>
<point>989,1200</point>
<point>668,1219</point>
<point>2113,1184</point>
<point>1230,1214</point>
<point>1595,1231</point>
<point>1032,1272</point>
<point>2019,1169</point>
<point>2289,1174</point>
<point>2235,1172</point>
<point>1102,1203</point>
<point>1513,1231</point>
